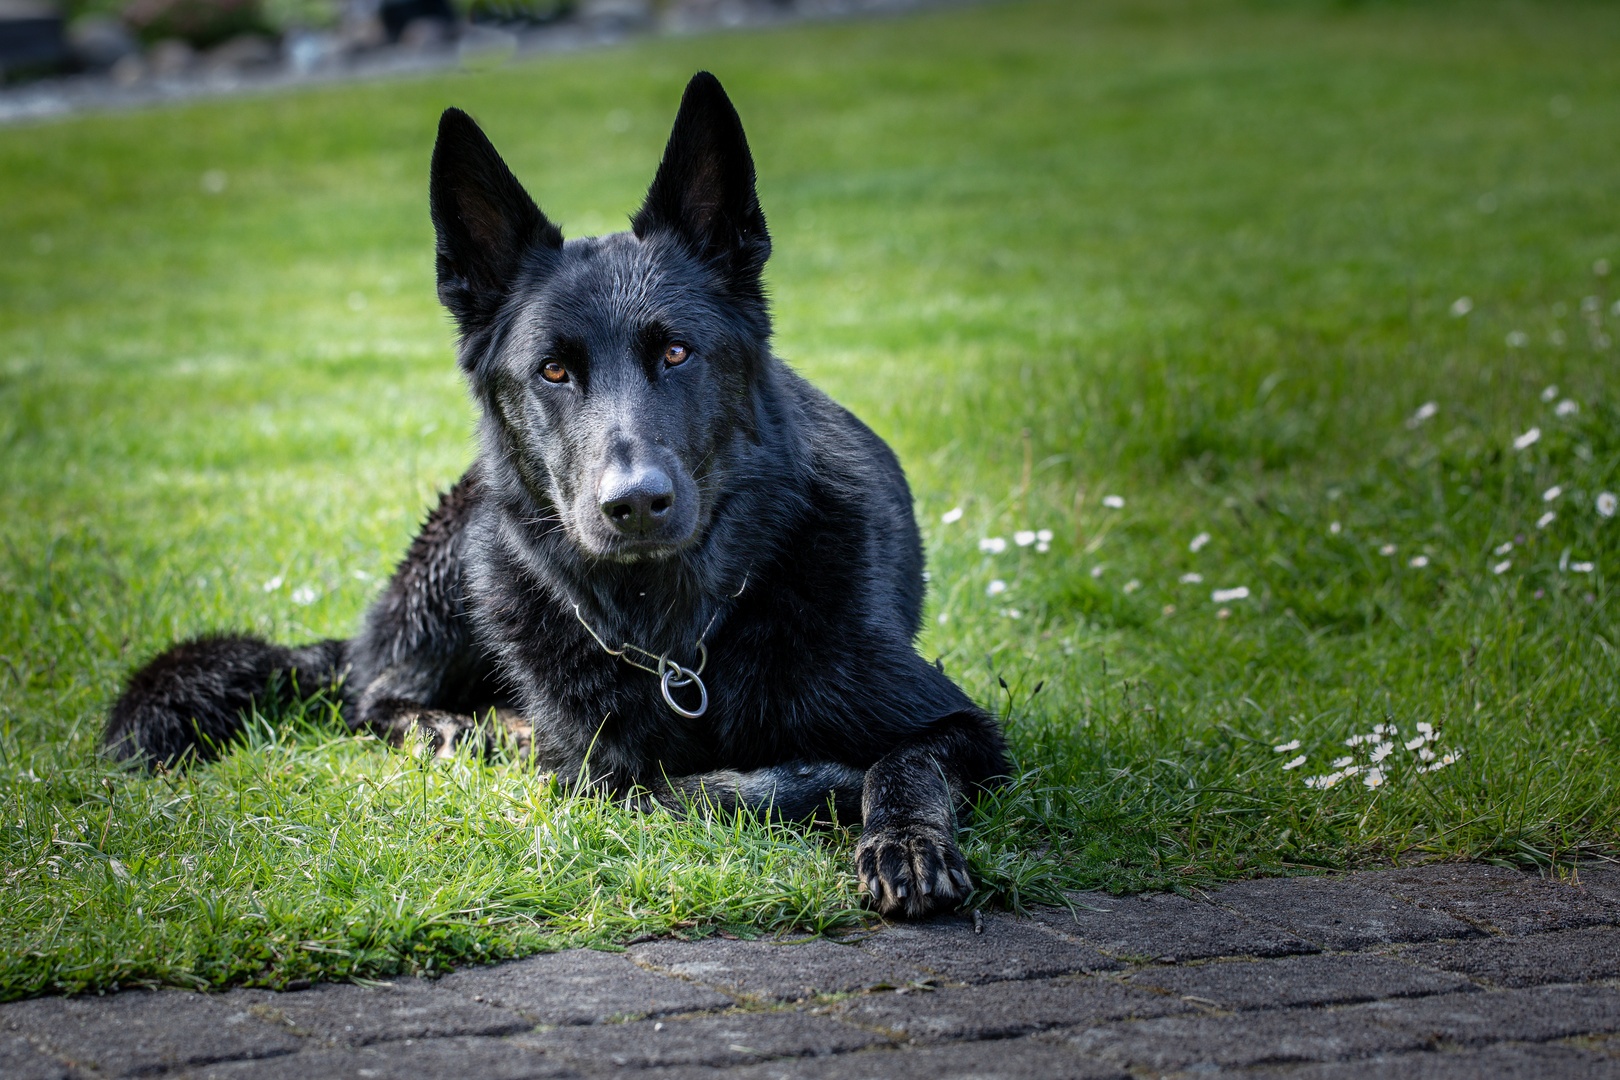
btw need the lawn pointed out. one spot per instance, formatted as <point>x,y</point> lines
<point>1253,366</point>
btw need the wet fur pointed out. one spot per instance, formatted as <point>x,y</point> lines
<point>791,550</point>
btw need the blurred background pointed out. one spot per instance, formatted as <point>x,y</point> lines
<point>140,40</point>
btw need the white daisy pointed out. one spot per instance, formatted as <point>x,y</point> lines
<point>951,516</point>
<point>1198,541</point>
<point>1528,439</point>
<point>1192,577</point>
<point>1607,503</point>
<point>996,587</point>
<point>993,545</point>
<point>1294,764</point>
<point>1287,746</point>
<point>1114,502</point>
<point>1224,596</point>
<point>1424,412</point>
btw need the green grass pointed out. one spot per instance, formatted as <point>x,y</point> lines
<point>1203,257</point>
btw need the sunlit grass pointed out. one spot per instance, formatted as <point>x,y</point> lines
<point>1131,276</point>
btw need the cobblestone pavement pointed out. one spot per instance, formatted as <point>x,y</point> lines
<point>1435,972</point>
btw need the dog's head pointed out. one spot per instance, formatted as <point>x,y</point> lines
<point>617,374</point>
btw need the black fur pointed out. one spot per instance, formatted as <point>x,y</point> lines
<point>651,474</point>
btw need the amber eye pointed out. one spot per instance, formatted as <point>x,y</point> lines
<point>676,354</point>
<point>554,372</point>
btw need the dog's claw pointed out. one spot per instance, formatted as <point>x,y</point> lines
<point>912,870</point>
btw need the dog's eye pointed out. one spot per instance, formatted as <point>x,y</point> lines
<point>676,354</point>
<point>554,372</point>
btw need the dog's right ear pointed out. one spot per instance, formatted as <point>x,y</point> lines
<point>485,222</point>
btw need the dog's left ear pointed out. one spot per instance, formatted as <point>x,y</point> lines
<point>486,223</point>
<point>704,190</point>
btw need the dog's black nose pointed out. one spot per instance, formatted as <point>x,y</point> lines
<point>636,499</point>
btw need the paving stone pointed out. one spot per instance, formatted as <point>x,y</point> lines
<point>20,1061</point>
<point>1168,928</point>
<point>141,1031</point>
<point>1208,1042</point>
<point>1003,1009</point>
<point>346,1014</point>
<point>1531,1015</point>
<point>731,1039</point>
<point>1382,1027</point>
<point>1007,949</point>
<point>776,971</point>
<point>1301,980</point>
<point>1338,915</point>
<point>1000,1059</point>
<point>1569,956</point>
<point>1495,897</point>
<point>1601,879</point>
<point>1491,1063</point>
<point>582,986</point>
<point>418,1059</point>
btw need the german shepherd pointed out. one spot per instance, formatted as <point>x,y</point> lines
<point>676,570</point>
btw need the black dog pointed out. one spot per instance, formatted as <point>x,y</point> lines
<point>676,569</point>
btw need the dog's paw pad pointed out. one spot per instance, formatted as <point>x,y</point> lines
<point>912,871</point>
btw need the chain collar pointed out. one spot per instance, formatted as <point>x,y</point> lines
<point>671,676</point>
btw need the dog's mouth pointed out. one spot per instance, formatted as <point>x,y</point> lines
<point>622,550</point>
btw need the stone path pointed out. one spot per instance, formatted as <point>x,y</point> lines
<point>1434,972</point>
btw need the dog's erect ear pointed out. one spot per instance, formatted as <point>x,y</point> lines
<point>486,223</point>
<point>704,190</point>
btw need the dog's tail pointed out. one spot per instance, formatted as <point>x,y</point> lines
<point>193,700</point>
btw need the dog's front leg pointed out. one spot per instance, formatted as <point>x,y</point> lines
<point>907,856</point>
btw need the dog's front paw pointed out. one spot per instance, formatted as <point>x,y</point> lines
<point>912,870</point>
